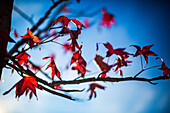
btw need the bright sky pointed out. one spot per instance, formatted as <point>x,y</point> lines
<point>139,22</point>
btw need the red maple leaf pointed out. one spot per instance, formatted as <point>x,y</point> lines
<point>75,57</point>
<point>25,84</point>
<point>22,58</point>
<point>92,88</point>
<point>107,18</point>
<point>78,23</point>
<point>164,68</point>
<point>80,66</point>
<point>63,19</point>
<point>53,66</point>
<point>145,51</point>
<point>31,39</point>
<point>119,63</point>
<point>103,66</point>
<point>74,35</point>
<point>120,52</point>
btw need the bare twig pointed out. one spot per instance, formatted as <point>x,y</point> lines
<point>56,93</point>
<point>93,79</point>
<point>25,16</point>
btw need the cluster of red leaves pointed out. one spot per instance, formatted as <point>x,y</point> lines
<point>120,64</point>
<point>92,88</point>
<point>31,39</point>
<point>80,63</point>
<point>145,51</point>
<point>73,33</point>
<point>26,84</point>
<point>53,66</point>
<point>122,55</point>
<point>107,18</point>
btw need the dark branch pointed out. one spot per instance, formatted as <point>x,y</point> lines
<point>56,93</point>
<point>110,80</point>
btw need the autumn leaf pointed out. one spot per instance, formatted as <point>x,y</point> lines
<point>164,68</point>
<point>92,88</point>
<point>24,85</point>
<point>103,66</point>
<point>31,39</point>
<point>119,63</point>
<point>78,23</point>
<point>107,19</point>
<point>75,57</point>
<point>63,19</point>
<point>22,58</point>
<point>145,51</point>
<point>74,36</point>
<point>53,66</point>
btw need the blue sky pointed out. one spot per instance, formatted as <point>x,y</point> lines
<point>139,22</point>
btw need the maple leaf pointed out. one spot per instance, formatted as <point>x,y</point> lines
<point>74,35</point>
<point>92,88</point>
<point>145,51</point>
<point>4,39</point>
<point>77,23</point>
<point>81,66</point>
<point>120,52</point>
<point>31,39</point>
<point>65,21</point>
<point>22,58</point>
<point>103,66</point>
<point>107,18</point>
<point>25,84</point>
<point>164,68</point>
<point>75,57</point>
<point>119,63</point>
<point>53,66</point>
<point>62,19</point>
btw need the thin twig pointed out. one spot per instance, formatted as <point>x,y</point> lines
<point>109,80</point>
<point>56,93</point>
<point>25,16</point>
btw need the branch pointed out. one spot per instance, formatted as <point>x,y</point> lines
<point>26,17</point>
<point>93,79</point>
<point>18,44</point>
<point>56,93</point>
